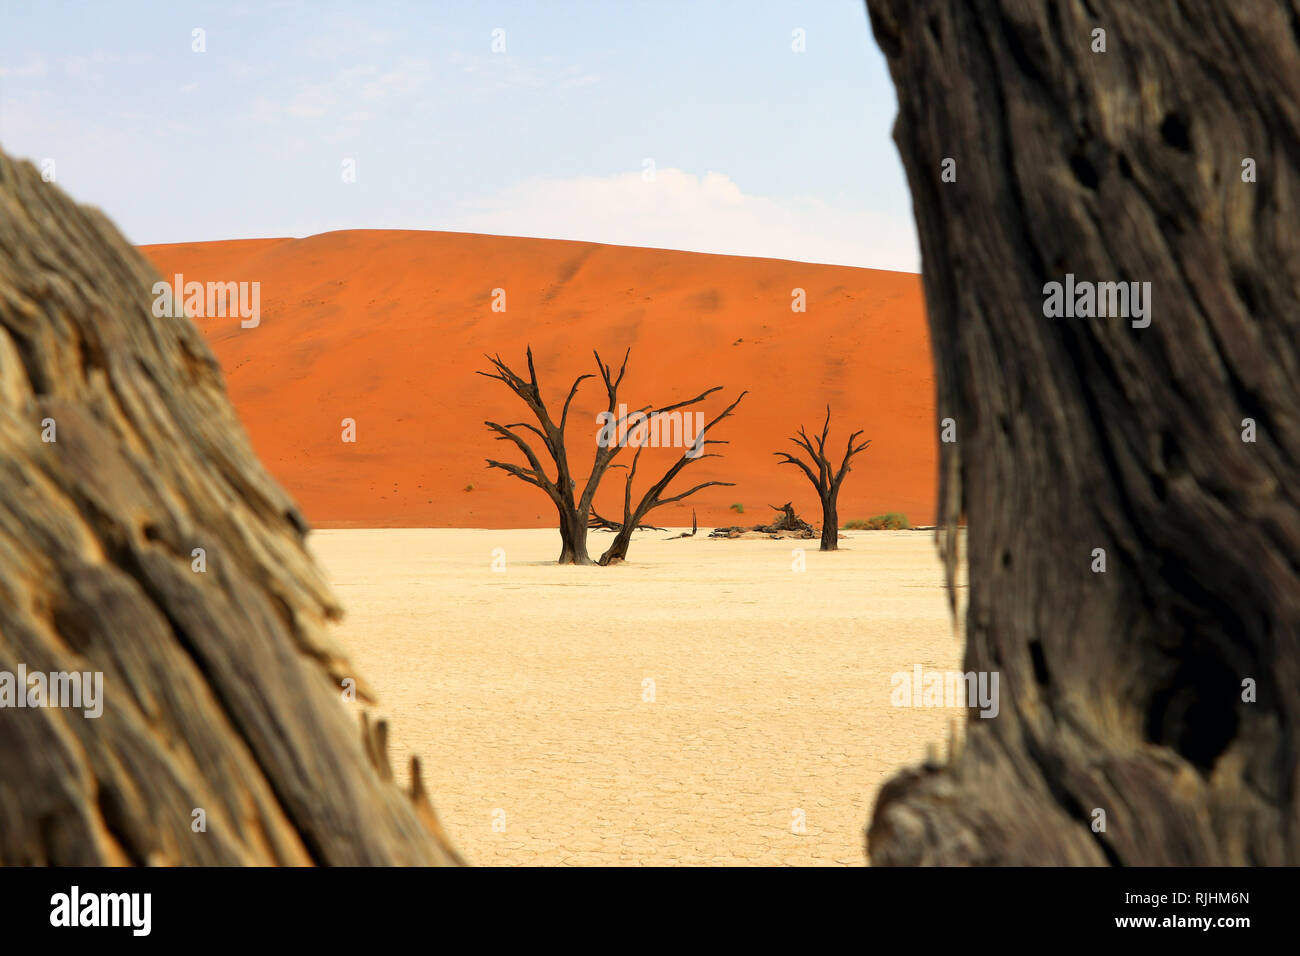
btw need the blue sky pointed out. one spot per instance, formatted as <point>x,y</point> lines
<point>756,149</point>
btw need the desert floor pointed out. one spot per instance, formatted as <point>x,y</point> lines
<point>702,704</point>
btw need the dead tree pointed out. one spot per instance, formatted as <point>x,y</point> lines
<point>826,479</point>
<point>788,524</point>
<point>141,540</point>
<point>695,528</point>
<point>788,521</point>
<point>576,512</point>
<point>653,497</point>
<point>1131,484</point>
<point>560,489</point>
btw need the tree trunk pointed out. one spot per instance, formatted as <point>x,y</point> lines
<point>573,538</point>
<point>617,551</point>
<point>1121,691</point>
<point>141,540</point>
<point>830,524</point>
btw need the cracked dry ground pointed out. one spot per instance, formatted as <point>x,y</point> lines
<point>527,691</point>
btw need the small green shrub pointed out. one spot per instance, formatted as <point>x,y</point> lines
<point>894,521</point>
<point>738,509</point>
<point>469,487</point>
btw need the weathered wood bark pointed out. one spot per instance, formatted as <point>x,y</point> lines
<point>220,686</point>
<point>1121,691</point>
<point>825,478</point>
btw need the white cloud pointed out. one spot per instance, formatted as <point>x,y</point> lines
<point>34,68</point>
<point>679,210</point>
<point>317,100</point>
<point>89,66</point>
<point>499,72</point>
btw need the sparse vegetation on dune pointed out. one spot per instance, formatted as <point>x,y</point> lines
<point>893,521</point>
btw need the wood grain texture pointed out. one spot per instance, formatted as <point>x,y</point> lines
<point>221,688</point>
<point>1122,690</point>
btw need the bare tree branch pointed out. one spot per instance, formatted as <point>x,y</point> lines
<point>652,498</point>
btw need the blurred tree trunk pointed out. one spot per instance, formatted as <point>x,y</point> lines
<point>1121,691</point>
<point>141,539</point>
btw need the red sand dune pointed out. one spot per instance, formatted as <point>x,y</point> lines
<point>388,328</point>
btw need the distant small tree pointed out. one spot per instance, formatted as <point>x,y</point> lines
<point>826,479</point>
